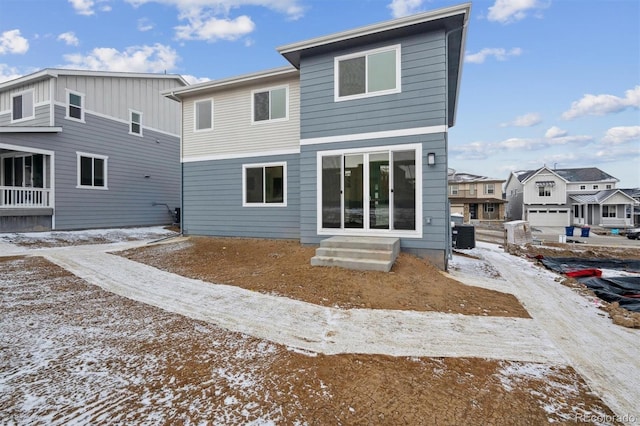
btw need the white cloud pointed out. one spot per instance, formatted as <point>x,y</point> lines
<point>144,24</point>
<point>400,8</point>
<point>527,120</point>
<point>70,38</point>
<point>497,52</point>
<point>213,29</point>
<point>622,134</point>
<point>12,42</point>
<point>603,104</point>
<point>194,80</point>
<point>8,73</point>
<point>157,58</point>
<point>471,151</point>
<point>555,132</point>
<point>83,7</point>
<point>508,11</point>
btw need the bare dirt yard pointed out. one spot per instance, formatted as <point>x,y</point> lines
<point>72,352</point>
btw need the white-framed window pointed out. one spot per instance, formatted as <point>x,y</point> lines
<point>608,186</point>
<point>453,189</point>
<point>608,211</point>
<point>489,207</point>
<point>22,106</point>
<point>370,73</point>
<point>203,115</point>
<point>489,188</point>
<point>595,186</point>
<point>544,191</point>
<point>92,170</point>
<point>270,104</point>
<point>583,187</point>
<point>135,122</point>
<point>264,184</point>
<point>75,105</point>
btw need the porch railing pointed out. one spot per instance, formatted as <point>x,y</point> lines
<point>15,197</point>
<point>616,222</point>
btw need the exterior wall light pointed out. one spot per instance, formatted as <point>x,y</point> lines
<point>431,158</point>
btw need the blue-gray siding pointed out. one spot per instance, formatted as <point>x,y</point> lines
<point>212,201</point>
<point>41,118</point>
<point>421,103</point>
<point>128,200</point>
<point>434,189</point>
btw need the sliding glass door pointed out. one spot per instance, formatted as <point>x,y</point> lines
<point>369,191</point>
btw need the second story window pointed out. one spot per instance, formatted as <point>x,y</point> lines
<point>371,73</point>
<point>203,111</point>
<point>489,188</point>
<point>583,187</point>
<point>595,186</point>
<point>22,106</point>
<point>75,106</point>
<point>135,124</point>
<point>454,189</point>
<point>544,191</point>
<point>270,104</point>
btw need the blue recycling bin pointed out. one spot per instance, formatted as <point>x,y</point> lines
<point>568,231</point>
<point>585,231</point>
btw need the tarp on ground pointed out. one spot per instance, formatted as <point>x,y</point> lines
<point>624,290</point>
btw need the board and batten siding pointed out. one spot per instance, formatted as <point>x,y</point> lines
<point>233,131</point>
<point>41,93</point>
<point>129,197</point>
<point>421,102</point>
<point>434,190</point>
<point>212,201</point>
<point>114,96</point>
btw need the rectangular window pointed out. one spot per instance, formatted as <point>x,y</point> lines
<point>608,211</point>
<point>489,207</point>
<point>270,105</point>
<point>75,106</point>
<point>22,107</point>
<point>203,115</point>
<point>371,73</point>
<point>489,188</point>
<point>92,171</point>
<point>454,189</point>
<point>264,184</point>
<point>544,191</point>
<point>583,187</point>
<point>135,124</point>
<point>609,186</point>
<point>595,186</point>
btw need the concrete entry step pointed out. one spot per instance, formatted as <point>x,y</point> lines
<point>360,253</point>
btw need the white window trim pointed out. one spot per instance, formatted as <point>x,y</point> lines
<point>106,170</point>
<point>270,120</point>
<point>68,105</point>
<point>195,115</point>
<point>417,233</point>
<point>33,106</point>
<point>264,165</point>
<point>131,112</point>
<point>366,53</point>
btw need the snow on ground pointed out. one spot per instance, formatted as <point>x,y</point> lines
<point>88,236</point>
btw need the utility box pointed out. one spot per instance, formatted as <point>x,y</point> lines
<point>464,236</point>
<point>518,232</point>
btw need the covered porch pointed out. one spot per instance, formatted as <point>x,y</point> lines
<point>607,209</point>
<point>26,189</point>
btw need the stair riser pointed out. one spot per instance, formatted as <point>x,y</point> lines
<point>394,248</point>
<point>352,264</point>
<point>354,254</point>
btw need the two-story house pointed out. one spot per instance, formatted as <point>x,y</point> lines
<point>349,140</point>
<point>88,149</point>
<point>476,198</point>
<point>564,197</point>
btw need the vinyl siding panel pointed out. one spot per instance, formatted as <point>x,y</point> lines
<point>212,201</point>
<point>124,93</point>
<point>233,131</point>
<point>41,118</point>
<point>421,103</point>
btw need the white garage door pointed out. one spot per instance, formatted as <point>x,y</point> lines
<point>548,217</point>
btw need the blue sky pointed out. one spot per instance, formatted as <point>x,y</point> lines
<point>545,82</point>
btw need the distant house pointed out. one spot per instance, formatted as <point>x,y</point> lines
<point>564,197</point>
<point>351,140</point>
<point>87,149</point>
<point>476,198</point>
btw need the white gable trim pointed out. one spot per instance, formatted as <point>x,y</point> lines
<point>375,135</point>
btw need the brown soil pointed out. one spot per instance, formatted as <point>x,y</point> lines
<point>73,353</point>
<point>283,268</point>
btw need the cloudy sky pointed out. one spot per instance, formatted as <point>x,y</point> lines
<point>545,82</point>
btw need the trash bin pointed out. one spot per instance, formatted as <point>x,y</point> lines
<point>568,231</point>
<point>585,231</point>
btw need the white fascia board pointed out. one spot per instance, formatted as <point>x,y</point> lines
<point>30,129</point>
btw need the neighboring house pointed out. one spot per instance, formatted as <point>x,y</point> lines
<point>88,149</point>
<point>635,194</point>
<point>564,197</point>
<point>351,140</point>
<point>476,198</point>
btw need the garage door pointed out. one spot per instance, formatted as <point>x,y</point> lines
<point>548,217</point>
